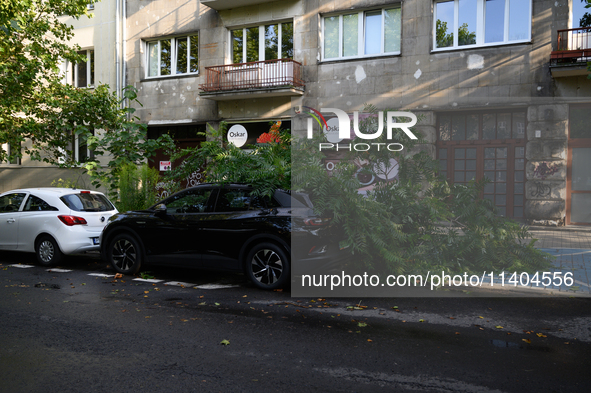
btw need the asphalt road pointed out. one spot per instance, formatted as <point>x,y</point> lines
<point>69,331</point>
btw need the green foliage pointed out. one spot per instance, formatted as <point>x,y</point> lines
<point>69,183</point>
<point>443,39</point>
<point>125,141</point>
<point>585,20</point>
<point>266,166</point>
<point>137,187</point>
<point>465,36</point>
<point>417,223</point>
<point>33,42</point>
<point>35,106</point>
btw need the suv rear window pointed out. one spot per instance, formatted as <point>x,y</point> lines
<point>87,202</point>
<point>289,199</point>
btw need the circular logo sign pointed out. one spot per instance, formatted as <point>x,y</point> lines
<point>332,131</point>
<point>237,135</point>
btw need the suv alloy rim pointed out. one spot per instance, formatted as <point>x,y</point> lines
<point>266,266</point>
<point>124,254</point>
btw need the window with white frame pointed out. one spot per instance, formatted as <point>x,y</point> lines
<point>83,72</point>
<point>77,150</point>
<point>81,151</point>
<point>8,150</point>
<point>470,23</point>
<point>173,56</point>
<point>265,42</point>
<point>361,34</point>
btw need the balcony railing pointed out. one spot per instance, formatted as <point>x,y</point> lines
<point>574,46</point>
<point>268,74</point>
<point>227,4</point>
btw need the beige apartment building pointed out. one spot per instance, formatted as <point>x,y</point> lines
<point>101,39</point>
<point>500,85</point>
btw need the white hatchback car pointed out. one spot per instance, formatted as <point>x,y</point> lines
<point>52,222</point>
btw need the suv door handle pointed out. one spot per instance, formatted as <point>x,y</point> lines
<point>10,220</point>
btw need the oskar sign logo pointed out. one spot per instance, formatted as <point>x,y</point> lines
<point>339,128</point>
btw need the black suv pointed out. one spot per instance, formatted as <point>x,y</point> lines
<point>222,228</point>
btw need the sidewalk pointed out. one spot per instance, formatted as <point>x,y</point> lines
<point>571,246</point>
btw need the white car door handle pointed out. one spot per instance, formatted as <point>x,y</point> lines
<point>10,220</point>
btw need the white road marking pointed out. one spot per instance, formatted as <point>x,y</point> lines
<point>101,275</point>
<point>22,266</point>
<point>179,284</point>
<point>59,270</point>
<point>216,286</point>
<point>147,280</point>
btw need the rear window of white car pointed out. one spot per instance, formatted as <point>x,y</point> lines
<point>87,202</point>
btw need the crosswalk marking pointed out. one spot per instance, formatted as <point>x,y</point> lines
<point>180,284</point>
<point>101,275</point>
<point>152,280</point>
<point>216,286</point>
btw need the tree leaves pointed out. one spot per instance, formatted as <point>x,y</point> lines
<point>416,224</point>
<point>36,107</point>
<point>266,167</point>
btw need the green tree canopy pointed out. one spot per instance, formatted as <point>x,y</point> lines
<point>36,107</point>
<point>585,20</point>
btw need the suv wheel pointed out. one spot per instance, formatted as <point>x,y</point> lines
<point>124,254</point>
<point>267,266</point>
<point>48,252</point>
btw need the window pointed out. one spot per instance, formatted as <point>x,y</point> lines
<point>87,202</point>
<point>77,150</point>
<point>465,23</point>
<point>36,204</point>
<point>190,201</point>
<point>9,149</point>
<point>578,183</point>
<point>265,42</point>
<point>359,34</point>
<point>237,200</point>
<point>81,151</point>
<point>492,144</point>
<point>11,202</point>
<point>173,56</point>
<point>579,122</point>
<point>83,73</point>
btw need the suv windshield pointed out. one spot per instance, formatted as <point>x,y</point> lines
<point>87,202</point>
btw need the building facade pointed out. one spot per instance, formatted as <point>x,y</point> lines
<point>100,38</point>
<point>500,86</point>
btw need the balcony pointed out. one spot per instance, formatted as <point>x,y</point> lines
<point>573,52</point>
<point>269,78</point>
<point>220,5</point>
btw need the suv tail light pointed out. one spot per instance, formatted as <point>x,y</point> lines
<point>72,220</point>
<point>317,221</point>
